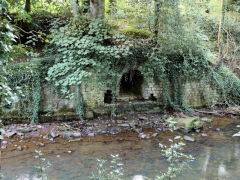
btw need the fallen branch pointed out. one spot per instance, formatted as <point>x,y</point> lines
<point>216,113</point>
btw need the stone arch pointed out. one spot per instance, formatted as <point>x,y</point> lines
<point>130,84</point>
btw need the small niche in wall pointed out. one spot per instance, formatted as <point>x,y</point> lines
<point>152,97</point>
<point>108,97</point>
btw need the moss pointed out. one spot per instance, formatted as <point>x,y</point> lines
<point>190,123</point>
<point>64,110</point>
<point>136,33</point>
<point>24,130</point>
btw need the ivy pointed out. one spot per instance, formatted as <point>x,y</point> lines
<point>27,77</point>
<point>83,49</point>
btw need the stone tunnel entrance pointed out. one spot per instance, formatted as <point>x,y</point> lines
<point>131,85</point>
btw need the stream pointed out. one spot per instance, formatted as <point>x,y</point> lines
<point>217,154</point>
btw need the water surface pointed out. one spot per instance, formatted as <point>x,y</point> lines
<point>217,155</point>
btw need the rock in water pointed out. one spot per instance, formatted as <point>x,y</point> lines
<point>237,134</point>
<point>188,138</point>
<point>41,144</point>
<point>4,142</point>
<point>143,136</point>
<point>204,135</point>
<point>155,135</point>
<point>54,134</point>
<point>190,123</point>
<point>76,135</point>
<point>10,134</point>
<point>91,134</point>
<point>19,148</point>
<point>138,177</point>
<point>3,147</point>
<point>206,120</point>
<point>26,130</point>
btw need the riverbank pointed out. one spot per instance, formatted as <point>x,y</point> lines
<point>76,130</point>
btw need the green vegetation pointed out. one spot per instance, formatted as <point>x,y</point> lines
<point>174,41</point>
<point>136,33</point>
<point>108,172</point>
<point>66,44</point>
<point>42,165</point>
<point>178,162</point>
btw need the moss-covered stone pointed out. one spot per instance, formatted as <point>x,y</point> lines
<point>190,123</point>
<point>26,130</point>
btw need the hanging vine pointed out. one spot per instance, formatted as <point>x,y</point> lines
<point>27,78</point>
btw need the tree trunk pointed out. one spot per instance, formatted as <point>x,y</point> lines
<point>74,6</point>
<point>156,19</point>
<point>220,33</point>
<point>97,9</point>
<point>28,6</point>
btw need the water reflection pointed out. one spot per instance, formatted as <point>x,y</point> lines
<point>206,162</point>
<point>217,157</point>
<point>222,172</point>
<point>237,150</point>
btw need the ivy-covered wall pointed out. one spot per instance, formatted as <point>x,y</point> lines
<point>198,94</point>
<point>89,99</point>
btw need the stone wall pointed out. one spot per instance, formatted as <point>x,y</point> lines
<point>197,94</point>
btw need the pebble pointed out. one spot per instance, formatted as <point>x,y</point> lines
<point>218,129</point>
<point>188,138</point>
<point>54,134</point>
<point>155,135</point>
<point>198,130</point>
<point>69,152</point>
<point>52,140</point>
<point>19,148</point>
<point>206,120</point>
<point>237,134</point>
<point>76,135</point>
<point>91,134</point>
<point>238,126</point>
<point>39,126</point>
<point>143,118</point>
<point>41,144</point>
<point>204,135</point>
<point>143,136</point>
<point>138,177</point>
<point>124,126</point>
<point>4,142</point>
<point>185,131</point>
<point>3,147</point>
<point>10,134</point>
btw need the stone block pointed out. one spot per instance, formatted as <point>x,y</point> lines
<point>89,115</point>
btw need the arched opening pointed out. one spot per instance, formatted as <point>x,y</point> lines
<point>130,84</point>
<point>108,97</point>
